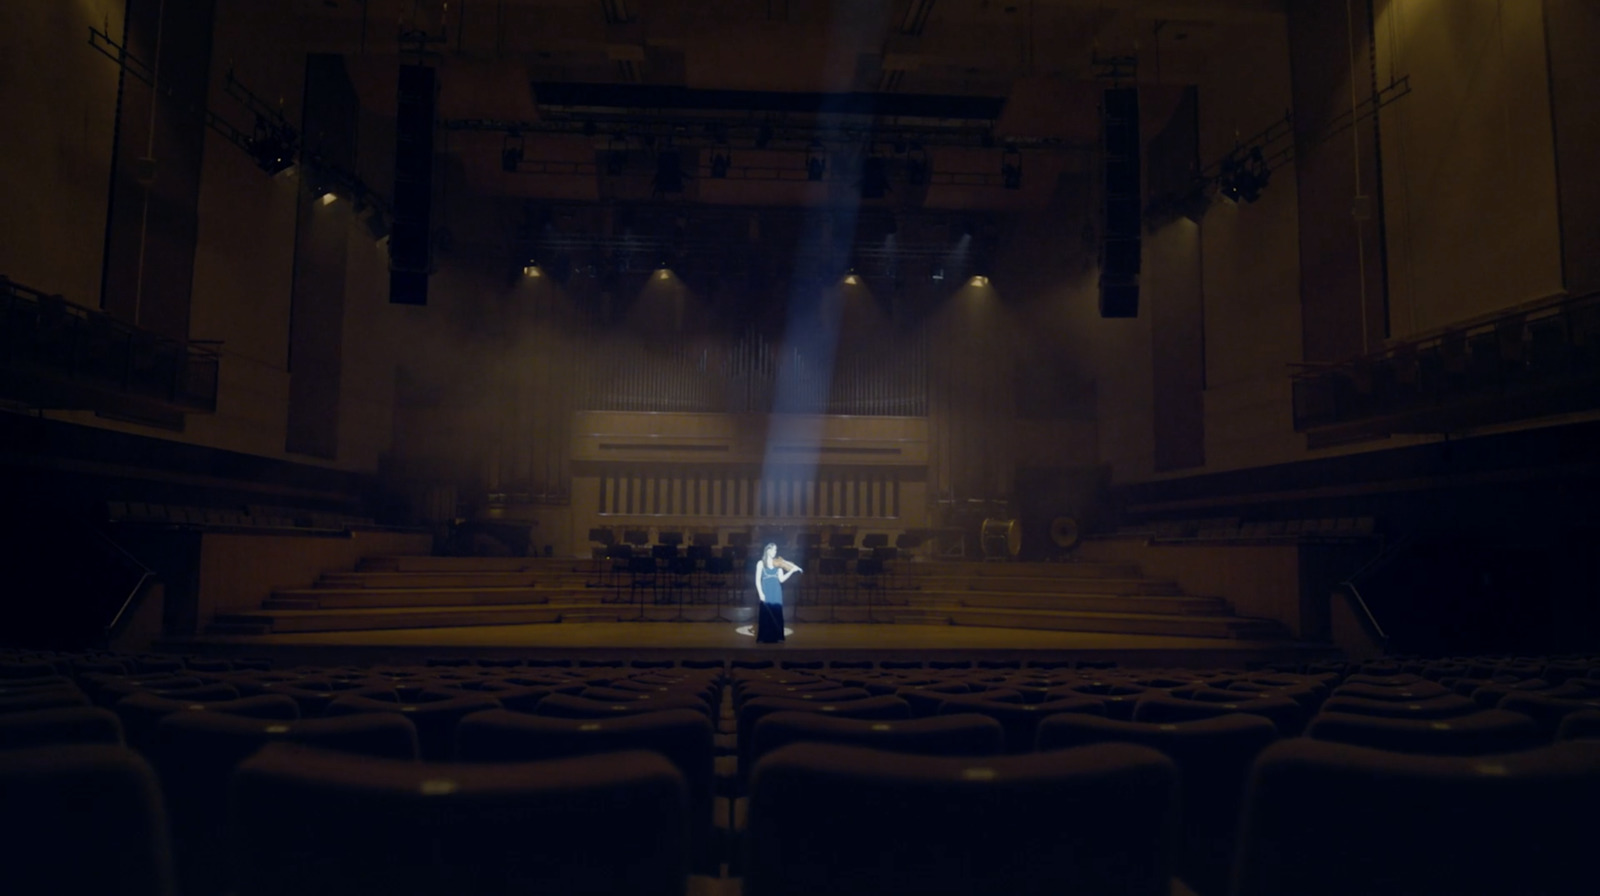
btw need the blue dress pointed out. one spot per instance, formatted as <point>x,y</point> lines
<point>769,613</point>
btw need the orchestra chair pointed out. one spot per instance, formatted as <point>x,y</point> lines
<point>309,821</point>
<point>852,821</point>
<point>1328,818</point>
<point>85,818</point>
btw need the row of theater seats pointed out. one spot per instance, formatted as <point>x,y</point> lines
<point>161,774</point>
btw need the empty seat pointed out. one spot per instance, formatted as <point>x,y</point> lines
<point>1583,724</point>
<point>1445,706</point>
<point>683,736</point>
<point>59,725</point>
<point>1546,711</point>
<point>751,713</point>
<point>1477,733</point>
<point>1021,720</point>
<point>963,734</point>
<point>195,753</point>
<point>1213,757</point>
<point>32,699</point>
<point>435,712</point>
<point>83,818</point>
<point>1408,693</point>
<point>310,821</point>
<point>1326,818</point>
<point>1288,715</point>
<point>828,818</point>
<point>140,713</point>
<point>570,706</point>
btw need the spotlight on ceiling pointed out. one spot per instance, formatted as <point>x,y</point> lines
<point>531,269</point>
<point>978,280</point>
<point>272,147</point>
<point>816,161</point>
<point>1244,177</point>
<point>874,177</point>
<point>850,277</point>
<point>1011,168</point>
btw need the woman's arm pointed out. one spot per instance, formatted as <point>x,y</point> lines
<point>758,583</point>
<point>784,574</point>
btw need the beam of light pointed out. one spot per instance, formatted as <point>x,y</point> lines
<point>811,331</point>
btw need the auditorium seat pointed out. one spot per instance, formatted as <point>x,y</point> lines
<point>1545,710</point>
<point>309,821</point>
<point>1213,757</point>
<point>83,818</point>
<point>1478,733</point>
<point>141,713</point>
<point>81,724</point>
<point>683,736</point>
<point>960,734</point>
<point>1326,818</point>
<point>435,712</point>
<point>1118,698</point>
<point>46,696</point>
<point>751,713</point>
<point>521,698</point>
<point>195,754</point>
<point>1581,725</point>
<point>570,706</point>
<point>846,820</point>
<point>1420,690</point>
<point>1020,721</point>
<point>1446,706</point>
<point>1284,713</point>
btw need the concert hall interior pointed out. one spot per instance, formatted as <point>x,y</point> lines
<point>1144,392</point>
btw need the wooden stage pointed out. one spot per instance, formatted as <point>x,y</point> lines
<point>708,640</point>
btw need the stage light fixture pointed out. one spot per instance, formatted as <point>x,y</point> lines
<point>1243,178</point>
<point>938,272</point>
<point>978,280</point>
<point>850,277</point>
<point>272,147</point>
<point>328,197</point>
<point>531,269</point>
<point>1011,168</point>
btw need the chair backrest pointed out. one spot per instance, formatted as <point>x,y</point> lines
<point>1327,818</point>
<point>84,818</point>
<point>968,734</point>
<point>306,820</point>
<point>683,736</point>
<point>59,725</point>
<point>141,713</point>
<point>828,818</point>
<point>1020,720</point>
<point>1474,734</point>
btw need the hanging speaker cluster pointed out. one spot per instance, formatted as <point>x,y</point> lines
<point>1120,224</point>
<point>410,249</point>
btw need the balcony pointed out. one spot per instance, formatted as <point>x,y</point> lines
<point>1534,362</point>
<point>61,356</point>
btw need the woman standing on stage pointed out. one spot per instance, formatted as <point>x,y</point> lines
<point>771,572</point>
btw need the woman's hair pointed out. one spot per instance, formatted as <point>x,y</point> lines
<point>771,544</point>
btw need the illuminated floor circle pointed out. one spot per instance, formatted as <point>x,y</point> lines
<point>749,631</point>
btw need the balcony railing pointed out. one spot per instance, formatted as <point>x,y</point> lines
<point>55,354</point>
<point>1536,361</point>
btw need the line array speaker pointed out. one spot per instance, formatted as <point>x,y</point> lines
<point>1120,228</point>
<point>410,252</point>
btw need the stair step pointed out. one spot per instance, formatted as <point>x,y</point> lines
<point>362,598</point>
<point>393,617</point>
<point>1124,623</point>
<point>590,617</point>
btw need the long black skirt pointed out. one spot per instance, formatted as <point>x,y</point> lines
<point>769,622</point>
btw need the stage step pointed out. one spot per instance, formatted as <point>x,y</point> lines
<point>468,564</point>
<point>921,619</point>
<point>388,617</point>
<point>1233,627</point>
<point>364,598</point>
<point>484,579</point>
<point>1178,605</point>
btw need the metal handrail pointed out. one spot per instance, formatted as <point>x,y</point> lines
<point>134,595</point>
<point>1386,553</point>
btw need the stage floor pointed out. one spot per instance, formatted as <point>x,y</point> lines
<point>708,640</point>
